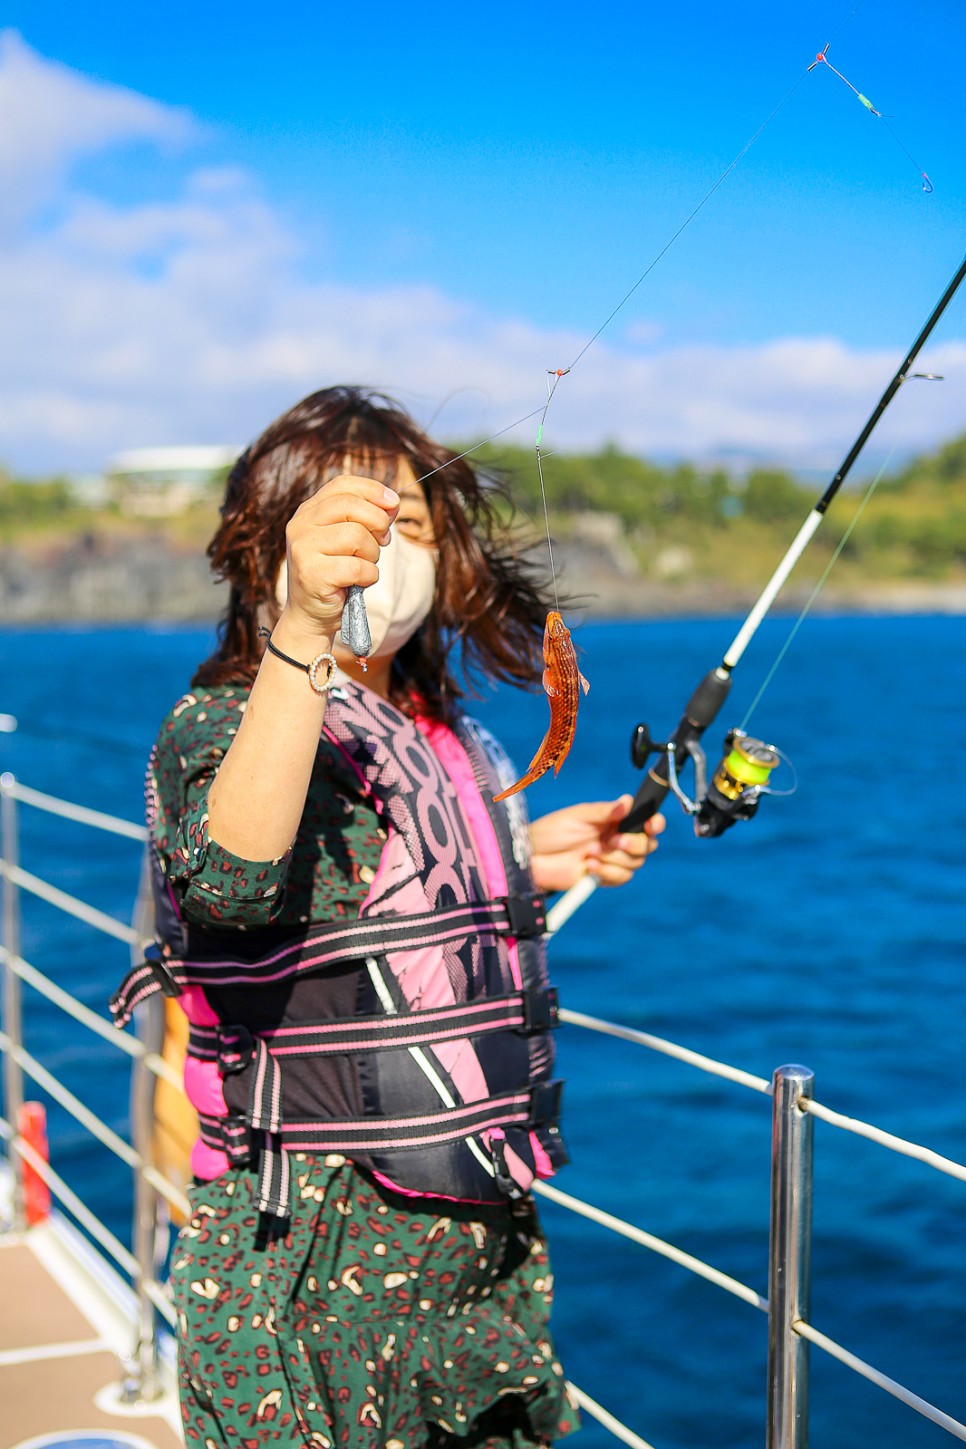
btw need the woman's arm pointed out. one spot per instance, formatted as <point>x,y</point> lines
<point>587,840</point>
<point>257,797</point>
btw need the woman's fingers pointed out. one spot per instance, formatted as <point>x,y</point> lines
<point>344,500</point>
<point>332,573</point>
<point>625,852</point>
<point>355,490</point>
<point>333,542</point>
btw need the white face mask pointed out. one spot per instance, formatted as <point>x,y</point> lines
<point>399,600</point>
<point>402,596</point>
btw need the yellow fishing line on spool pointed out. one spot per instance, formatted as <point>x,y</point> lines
<point>749,762</point>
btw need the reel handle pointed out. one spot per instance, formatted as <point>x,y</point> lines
<point>700,711</point>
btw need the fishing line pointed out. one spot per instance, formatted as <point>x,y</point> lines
<point>857,6</point>
<point>551,389</point>
<point>558,373</point>
<point>926,183</point>
<point>562,372</point>
<point>481,444</point>
<point>555,376</point>
<point>822,59</point>
<point>686,223</point>
<point>445,402</point>
<point>941,357</point>
<point>817,589</point>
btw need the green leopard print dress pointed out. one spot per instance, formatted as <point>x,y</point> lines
<point>375,1318</point>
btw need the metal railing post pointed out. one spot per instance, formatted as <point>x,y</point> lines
<point>790,1253</point>
<point>143,1383</point>
<point>12,1009</point>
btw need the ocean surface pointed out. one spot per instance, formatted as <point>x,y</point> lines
<point>829,930</point>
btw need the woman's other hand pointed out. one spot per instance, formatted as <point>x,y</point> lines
<point>587,839</point>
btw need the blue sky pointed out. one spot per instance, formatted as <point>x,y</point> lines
<point>207,211</point>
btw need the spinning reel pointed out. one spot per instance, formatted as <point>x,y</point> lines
<point>736,786</point>
<point>738,782</point>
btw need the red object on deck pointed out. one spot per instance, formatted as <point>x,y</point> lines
<point>32,1122</point>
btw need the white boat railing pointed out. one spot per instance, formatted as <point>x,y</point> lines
<point>794,1111</point>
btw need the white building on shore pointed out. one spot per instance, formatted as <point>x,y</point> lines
<point>158,481</point>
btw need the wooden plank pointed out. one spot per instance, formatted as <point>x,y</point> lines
<point>58,1396</point>
<point>57,1373</point>
<point>36,1310</point>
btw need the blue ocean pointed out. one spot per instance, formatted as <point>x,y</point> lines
<point>829,930</point>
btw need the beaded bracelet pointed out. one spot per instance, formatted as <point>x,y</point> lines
<point>312,670</point>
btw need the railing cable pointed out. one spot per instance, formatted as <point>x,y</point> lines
<point>80,910</point>
<point>66,1099</point>
<point>886,1139</point>
<point>99,920</point>
<point>669,1049</point>
<point>79,813</point>
<point>656,1245</point>
<point>95,1126</point>
<point>604,1417</point>
<point>855,1125</point>
<point>101,1234</point>
<point>881,1380</point>
<point>106,1030</point>
<point>77,1206</point>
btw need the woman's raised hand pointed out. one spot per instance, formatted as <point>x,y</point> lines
<point>333,541</point>
<point>257,797</point>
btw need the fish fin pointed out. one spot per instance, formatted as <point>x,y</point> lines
<point>584,683</point>
<point>550,689</point>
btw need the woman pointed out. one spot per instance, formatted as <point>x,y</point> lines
<point>351,924</point>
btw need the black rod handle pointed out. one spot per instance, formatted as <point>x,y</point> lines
<point>701,709</point>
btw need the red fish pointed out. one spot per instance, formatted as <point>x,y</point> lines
<point>563,682</point>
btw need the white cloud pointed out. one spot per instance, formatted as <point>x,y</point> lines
<point>190,320</point>
<point>50,116</point>
<point>641,333</point>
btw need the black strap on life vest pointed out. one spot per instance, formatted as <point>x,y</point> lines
<point>521,1011</point>
<point>234,1048</point>
<point>530,1108</point>
<point>330,942</point>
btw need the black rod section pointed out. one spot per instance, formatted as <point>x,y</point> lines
<point>891,390</point>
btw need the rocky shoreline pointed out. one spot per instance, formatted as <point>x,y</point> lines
<point>103,579</point>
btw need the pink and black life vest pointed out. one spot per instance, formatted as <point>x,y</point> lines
<point>415,1038</point>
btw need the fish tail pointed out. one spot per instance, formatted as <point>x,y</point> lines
<point>522,784</point>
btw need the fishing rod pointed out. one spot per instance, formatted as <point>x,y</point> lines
<point>739,781</point>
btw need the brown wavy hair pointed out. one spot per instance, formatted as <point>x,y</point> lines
<point>491,602</point>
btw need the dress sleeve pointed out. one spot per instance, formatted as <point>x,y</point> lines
<point>212,886</point>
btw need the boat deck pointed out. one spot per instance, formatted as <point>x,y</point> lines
<point>62,1335</point>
